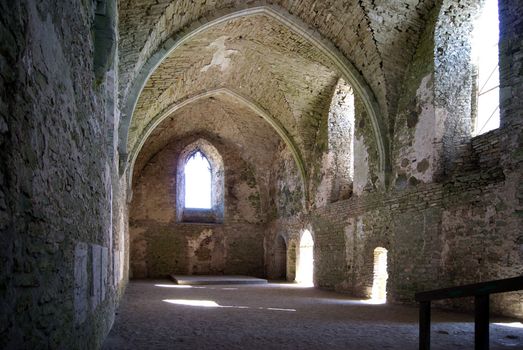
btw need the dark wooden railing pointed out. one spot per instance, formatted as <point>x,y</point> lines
<point>480,292</point>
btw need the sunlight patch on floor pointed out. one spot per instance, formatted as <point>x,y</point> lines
<point>202,303</point>
<point>172,286</point>
<point>373,301</point>
<point>510,324</point>
<point>211,303</point>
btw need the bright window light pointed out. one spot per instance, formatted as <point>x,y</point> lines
<point>211,303</point>
<point>197,182</point>
<point>485,46</point>
<point>305,264</point>
<point>379,283</point>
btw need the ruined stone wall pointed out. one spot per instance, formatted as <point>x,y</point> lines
<point>59,199</point>
<point>337,166</point>
<point>161,245</point>
<point>290,229</point>
<point>453,72</point>
<point>452,214</point>
<point>440,234</point>
<point>286,191</point>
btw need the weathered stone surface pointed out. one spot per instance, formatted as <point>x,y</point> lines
<point>296,96</point>
<point>451,216</point>
<point>386,32</point>
<point>54,197</point>
<point>96,275</point>
<point>162,245</point>
<point>104,265</point>
<point>449,210</point>
<point>81,281</point>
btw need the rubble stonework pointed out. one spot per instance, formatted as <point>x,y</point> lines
<point>88,182</point>
<point>59,192</point>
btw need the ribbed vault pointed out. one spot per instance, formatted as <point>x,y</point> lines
<point>378,37</point>
<point>218,118</point>
<point>260,54</point>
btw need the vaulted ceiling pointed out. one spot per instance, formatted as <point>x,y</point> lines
<point>221,117</point>
<point>169,54</point>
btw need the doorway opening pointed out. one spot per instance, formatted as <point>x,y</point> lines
<point>305,265</point>
<point>379,283</point>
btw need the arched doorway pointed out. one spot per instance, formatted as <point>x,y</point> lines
<point>379,283</point>
<point>305,265</point>
<point>280,258</point>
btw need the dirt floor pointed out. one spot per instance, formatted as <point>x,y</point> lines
<point>162,315</point>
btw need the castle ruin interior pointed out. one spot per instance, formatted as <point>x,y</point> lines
<point>370,149</point>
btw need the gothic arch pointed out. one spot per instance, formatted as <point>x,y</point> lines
<point>215,213</point>
<point>255,107</point>
<point>347,70</point>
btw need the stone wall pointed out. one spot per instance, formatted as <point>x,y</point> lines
<point>452,214</point>
<point>440,234</point>
<point>162,245</point>
<point>59,199</point>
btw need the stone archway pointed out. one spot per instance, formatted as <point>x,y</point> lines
<point>324,47</point>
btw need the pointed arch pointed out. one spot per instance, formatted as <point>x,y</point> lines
<point>249,103</point>
<point>347,70</point>
<point>213,157</point>
<point>198,181</point>
<point>305,263</point>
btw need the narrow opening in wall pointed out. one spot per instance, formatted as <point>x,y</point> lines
<point>341,140</point>
<point>198,186</point>
<point>305,265</point>
<point>379,283</point>
<point>291,262</point>
<point>280,258</point>
<point>485,51</point>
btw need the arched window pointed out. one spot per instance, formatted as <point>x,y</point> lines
<point>198,187</point>
<point>485,53</point>
<point>200,181</point>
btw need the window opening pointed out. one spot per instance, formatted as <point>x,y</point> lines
<point>305,268</point>
<point>379,283</point>
<point>341,140</point>
<point>486,51</point>
<point>198,187</point>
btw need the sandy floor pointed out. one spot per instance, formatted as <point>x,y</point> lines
<point>161,315</point>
